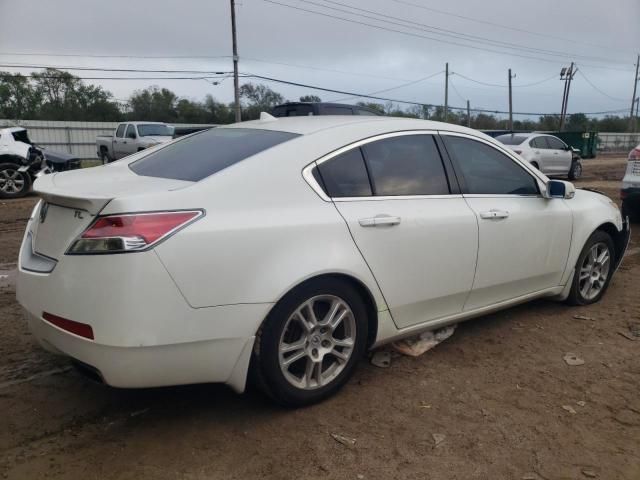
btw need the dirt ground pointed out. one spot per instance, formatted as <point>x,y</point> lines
<point>495,391</point>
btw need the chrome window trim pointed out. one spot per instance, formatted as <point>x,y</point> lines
<point>538,176</point>
<point>308,175</point>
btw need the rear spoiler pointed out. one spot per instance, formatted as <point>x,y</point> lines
<point>46,189</point>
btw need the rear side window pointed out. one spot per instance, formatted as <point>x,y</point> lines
<point>202,154</point>
<point>345,175</point>
<point>120,130</point>
<point>555,143</point>
<point>406,165</point>
<point>488,171</point>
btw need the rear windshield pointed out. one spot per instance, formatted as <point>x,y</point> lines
<point>202,154</point>
<point>154,130</point>
<point>511,139</point>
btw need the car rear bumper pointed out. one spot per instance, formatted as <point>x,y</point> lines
<point>145,333</point>
<point>222,360</point>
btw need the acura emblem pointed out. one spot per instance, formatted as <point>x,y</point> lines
<point>43,212</point>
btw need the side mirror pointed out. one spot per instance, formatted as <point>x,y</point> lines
<point>560,189</point>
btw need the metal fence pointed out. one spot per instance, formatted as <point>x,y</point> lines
<point>76,138</point>
<point>617,142</point>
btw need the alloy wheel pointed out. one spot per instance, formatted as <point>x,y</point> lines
<point>594,271</point>
<point>11,181</point>
<point>317,342</point>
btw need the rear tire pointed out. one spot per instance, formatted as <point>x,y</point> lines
<point>593,270</point>
<point>104,156</point>
<point>575,172</point>
<point>13,184</point>
<point>302,358</point>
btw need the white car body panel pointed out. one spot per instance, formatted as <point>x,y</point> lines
<point>9,145</point>
<point>188,310</point>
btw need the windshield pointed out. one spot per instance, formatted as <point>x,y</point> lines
<point>154,130</point>
<point>511,139</point>
<point>202,154</point>
<point>21,136</point>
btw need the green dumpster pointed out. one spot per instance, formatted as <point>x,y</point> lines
<point>586,142</point>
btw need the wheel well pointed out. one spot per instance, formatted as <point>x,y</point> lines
<point>365,294</point>
<point>616,236</point>
<point>103,148</point>
<point>11,159</point>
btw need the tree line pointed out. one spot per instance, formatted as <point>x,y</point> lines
<point>57,95</point>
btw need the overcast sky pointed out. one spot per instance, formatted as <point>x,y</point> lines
<point>602,37</point>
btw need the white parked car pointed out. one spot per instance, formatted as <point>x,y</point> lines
<point>630,191</point>
<point>292,246</point>
<point>547,153</point>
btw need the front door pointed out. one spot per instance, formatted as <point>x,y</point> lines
<point>419,240</point>
<point>524,238</point>
<point>560,155</point>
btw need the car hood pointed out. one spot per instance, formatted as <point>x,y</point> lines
<point>58,157</point>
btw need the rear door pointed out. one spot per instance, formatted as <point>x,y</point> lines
<point>524,238</point>
<point>415,231</point>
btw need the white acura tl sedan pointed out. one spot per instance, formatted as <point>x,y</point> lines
<point>289,247</point>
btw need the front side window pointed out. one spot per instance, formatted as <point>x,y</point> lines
<point>488,171</point>
<point>120,130</point>
<point>205,153</point>
<point>345,175</point>
<point>406,165</point>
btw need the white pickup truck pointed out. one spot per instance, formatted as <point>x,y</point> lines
<point>131,137</point>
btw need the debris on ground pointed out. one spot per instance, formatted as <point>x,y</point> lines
<point>531,476</point>
<point>589,473</point>
<point>381,359</point>
<point>416,346</point>
<point>438,438</point>
<point>569,409</point>
<point>573,360</point>
<point>632,333</point>
<point>583,317</point>
<point>347,441</point>
<point>581,403</point>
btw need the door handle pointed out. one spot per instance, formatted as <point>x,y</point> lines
<point>379,221</point>
<point>494,214</point>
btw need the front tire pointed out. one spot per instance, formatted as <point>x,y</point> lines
<point>311,342</point>
<point>593,270</point>
<point>575,171</point>
<point>13,183</point>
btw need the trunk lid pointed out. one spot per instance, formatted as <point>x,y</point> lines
<point>73,199</point>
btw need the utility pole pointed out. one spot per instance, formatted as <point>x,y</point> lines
<point>446,91</point>
<point>567,75</point>
<point>468,114</point>
<point>236,86</point>
<point>510,102</point>
<point>632,122</point>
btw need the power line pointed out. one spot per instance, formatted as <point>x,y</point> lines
<point>456,91</point>
<point>386,99</point>
<point>60,77</point>
<point>599,90</point>
<point>505,86</point>
<point>413,82</point>
<point>87,55</point>
<point>506,27</point>
<point>103,69</point>
<point>450,33</point>
<point>410,34</point>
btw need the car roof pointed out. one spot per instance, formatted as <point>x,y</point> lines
<point>140,122</point>
<point>305,125</point>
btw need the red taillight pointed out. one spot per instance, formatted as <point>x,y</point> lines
<point>130,232</point>
<point>77,328</point>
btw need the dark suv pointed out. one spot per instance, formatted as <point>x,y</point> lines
<point>293,109</point>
